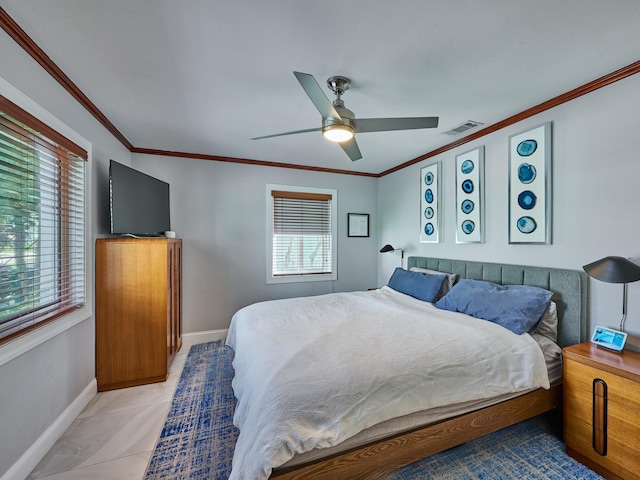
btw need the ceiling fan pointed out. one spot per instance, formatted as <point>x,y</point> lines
<point>339,124</point>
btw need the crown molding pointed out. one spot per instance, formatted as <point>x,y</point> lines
<point>14,30</point>
<point>592,86</point>
<point>246,161</point>
<point>20,36</point>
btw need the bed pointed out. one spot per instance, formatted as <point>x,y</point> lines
<point>363,441</point>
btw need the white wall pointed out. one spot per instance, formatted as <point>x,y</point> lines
<point>41,384</point>
<point>219,211</point>
<point>596,168</point>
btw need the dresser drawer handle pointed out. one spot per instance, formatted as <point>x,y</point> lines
<point>599,422</point>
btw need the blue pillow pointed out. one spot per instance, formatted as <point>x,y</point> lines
<point>515,307</point>
<point>419,285</point>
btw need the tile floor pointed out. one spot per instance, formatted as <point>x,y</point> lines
<point>114,436</point>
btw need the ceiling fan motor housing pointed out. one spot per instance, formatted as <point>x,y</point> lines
<point>347,118</point>
<point>347,121</point>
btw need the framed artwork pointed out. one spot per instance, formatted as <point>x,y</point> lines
<point>358,224</point>
<point>530,186</point>
<point>430,215</point>
<point>470,196</point>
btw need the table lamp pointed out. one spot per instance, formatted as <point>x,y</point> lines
<point>615,270</point>
<point>389,248</point>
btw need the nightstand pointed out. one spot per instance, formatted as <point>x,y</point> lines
<point>602,409</point>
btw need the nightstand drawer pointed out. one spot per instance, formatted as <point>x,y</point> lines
<point>621,458</point>
<point>622,423</point>
<point>620,390</point>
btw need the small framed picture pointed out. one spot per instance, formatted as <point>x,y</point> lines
<point>358,225</point>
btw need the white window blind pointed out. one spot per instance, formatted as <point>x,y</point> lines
<point>302,233</point>
<point>42,222</point>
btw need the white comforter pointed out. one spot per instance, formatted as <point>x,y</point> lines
<point>311,372</point>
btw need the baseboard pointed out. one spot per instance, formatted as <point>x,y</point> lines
<point>30,459</point>
<point>194,338</point>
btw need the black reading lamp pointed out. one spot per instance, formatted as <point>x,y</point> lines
<point>389,248</point>
<point>615,270</point>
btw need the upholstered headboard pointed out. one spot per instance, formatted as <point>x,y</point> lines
<point>569,288</point>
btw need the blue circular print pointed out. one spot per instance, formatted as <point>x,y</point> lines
<point>467,186</point>
<point>428,178</point>
<point>468,226</point>
<point>526,173</point>
<point>428,229</point>
<point>526,148</point>
<point>527,200</point>
<point>428,195</point>
<point>428,213</point>
<point>467,206</point>
<point>467,166</point>
<point>526,224</point>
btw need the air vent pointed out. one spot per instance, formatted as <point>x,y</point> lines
<point>468,125</point>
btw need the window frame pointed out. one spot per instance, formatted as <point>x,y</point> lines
<point>300,278</point>
<point>22,343</point>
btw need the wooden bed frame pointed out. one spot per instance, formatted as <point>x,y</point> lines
<point>374,459</point>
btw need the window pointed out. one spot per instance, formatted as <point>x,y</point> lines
<point>42,222</point>
<point>301,231</point>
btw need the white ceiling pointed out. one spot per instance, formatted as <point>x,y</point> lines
<point>204,76</point>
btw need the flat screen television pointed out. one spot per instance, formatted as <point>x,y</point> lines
<point>138,203</point>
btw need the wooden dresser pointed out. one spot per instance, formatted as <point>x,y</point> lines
<point>602,409</point>
<point>138,310</point>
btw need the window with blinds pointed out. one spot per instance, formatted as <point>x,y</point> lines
<point>42,222</point>
<point>302,234</point>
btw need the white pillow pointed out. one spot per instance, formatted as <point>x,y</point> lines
<point>548,324</point>
<point>448,281</point>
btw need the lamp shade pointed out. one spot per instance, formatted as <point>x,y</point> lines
<point>613,270</point>
<point>387,248</point>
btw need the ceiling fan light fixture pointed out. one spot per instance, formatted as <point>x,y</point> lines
<point>338,133</point>
<point>339,124</point>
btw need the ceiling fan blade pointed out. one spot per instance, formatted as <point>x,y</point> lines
<point>364,125</point>
<point>351,148</point>
<point>317,96</point>
<point>288,133</point>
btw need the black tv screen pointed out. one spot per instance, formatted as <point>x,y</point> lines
<point>139,203</point>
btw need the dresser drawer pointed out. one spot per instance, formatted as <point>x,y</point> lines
<point>622,391</point>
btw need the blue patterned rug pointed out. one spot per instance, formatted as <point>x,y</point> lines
<point>198,437</point>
